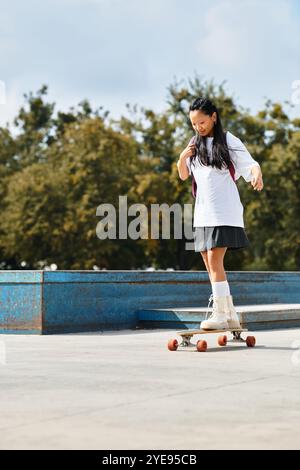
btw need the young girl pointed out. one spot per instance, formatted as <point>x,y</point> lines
<point>216,160</point>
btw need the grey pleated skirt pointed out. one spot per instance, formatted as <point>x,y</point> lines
<point>206,238</point>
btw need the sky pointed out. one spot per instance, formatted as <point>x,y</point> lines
<point>114,52</point>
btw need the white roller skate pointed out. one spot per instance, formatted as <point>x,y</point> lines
<point>218,317</point>
<point>232,316</point>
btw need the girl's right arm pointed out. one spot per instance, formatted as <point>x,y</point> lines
<point>182,166</point>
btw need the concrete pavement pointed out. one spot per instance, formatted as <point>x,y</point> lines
<point>125,390</point>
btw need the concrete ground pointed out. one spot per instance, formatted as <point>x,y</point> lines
<point>126,390</point>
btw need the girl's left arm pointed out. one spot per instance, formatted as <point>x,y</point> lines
<point>244,164</point>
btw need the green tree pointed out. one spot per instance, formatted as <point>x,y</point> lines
<point>58,169</point>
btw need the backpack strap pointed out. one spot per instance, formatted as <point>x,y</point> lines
<point>232,170</point>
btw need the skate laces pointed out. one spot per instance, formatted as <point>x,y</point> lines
<point>209,302</point>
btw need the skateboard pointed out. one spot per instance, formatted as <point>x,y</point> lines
<point>201,345</point>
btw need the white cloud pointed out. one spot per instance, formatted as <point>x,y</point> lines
<point>219,41</point>
<point>249,33</point>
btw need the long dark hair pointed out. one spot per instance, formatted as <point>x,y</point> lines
<point>220,153</point>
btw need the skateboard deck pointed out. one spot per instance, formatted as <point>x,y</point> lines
<point>201,345</point>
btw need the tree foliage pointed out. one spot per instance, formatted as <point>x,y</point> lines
<point>58,168</point>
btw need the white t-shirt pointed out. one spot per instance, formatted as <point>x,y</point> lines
<point>218,200</point>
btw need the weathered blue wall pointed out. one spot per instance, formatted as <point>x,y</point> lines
<point>21,301</point>
<point>66,301</point>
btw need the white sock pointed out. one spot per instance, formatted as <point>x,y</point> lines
<point>220,288</point>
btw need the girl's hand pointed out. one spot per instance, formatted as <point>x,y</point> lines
<point>188,151</point>
<point>257,181</point>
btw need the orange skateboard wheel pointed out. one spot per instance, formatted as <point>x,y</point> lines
<point>250,341</point>
<point>172,345</point>
<point>222,340</point>
<point>201,345</point>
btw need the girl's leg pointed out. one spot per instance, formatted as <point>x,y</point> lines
<point>205,259</point>
<point>214,263</point>
<point>215,258</point>
<point>220,286</point>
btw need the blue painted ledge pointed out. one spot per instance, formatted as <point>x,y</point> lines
<point>46,302</point>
